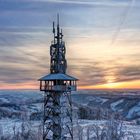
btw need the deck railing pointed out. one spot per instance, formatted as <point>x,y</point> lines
<point>58,88</point>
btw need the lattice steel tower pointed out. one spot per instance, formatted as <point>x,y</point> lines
<point>57,87</point>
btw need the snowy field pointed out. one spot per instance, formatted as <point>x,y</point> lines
<point>9,127</point>
<point>131,132</point>
<point>24,109</point>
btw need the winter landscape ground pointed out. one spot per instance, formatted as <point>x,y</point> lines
<point>100,115</point>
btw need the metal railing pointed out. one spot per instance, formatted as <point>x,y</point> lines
<point>58,88</point>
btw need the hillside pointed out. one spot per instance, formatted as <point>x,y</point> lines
<point>92,107</point>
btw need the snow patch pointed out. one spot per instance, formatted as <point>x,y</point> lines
<point>113,105</point>
<point>134,111</point>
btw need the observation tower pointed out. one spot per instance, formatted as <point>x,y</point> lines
<point>57,87</point>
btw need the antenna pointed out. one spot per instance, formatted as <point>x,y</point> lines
<point>54,30</point>
<point>58,20</point>
<point>58,31</point>
<point>61,35</point>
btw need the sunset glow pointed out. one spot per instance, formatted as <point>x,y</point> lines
<point>28,85</point>
<point>119,85</point>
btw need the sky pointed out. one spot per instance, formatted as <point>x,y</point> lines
<point>102,41</point>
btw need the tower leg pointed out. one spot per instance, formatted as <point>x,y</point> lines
<point>67,116</point>
<point>57,116</point>
<point>47,118</point>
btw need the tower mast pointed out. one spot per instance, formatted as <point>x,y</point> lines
<point>57,87</point>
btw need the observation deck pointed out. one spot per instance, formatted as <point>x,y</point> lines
<point>58,82</point>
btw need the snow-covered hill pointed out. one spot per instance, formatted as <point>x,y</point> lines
<point>125,104</point>
<point>13,104</point>
<point>17,106</point>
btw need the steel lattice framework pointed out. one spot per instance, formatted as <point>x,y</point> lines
<point>57,87</point>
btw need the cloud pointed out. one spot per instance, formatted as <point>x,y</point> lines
<point>91,72</point>
<point>23,64</point>
<point>25,37</point>
<point>128,73</point>
<point>113,3</point>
